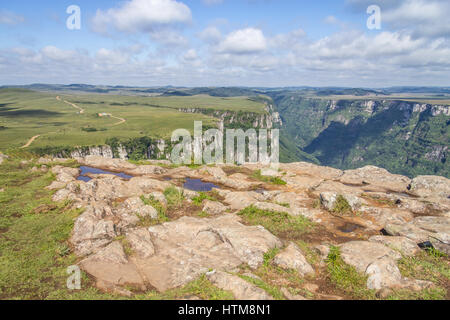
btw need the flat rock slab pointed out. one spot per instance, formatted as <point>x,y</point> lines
<point>241,289</point>
<point>377,177</point>
<point>361,254</point>
<point>292,258</point>
<point>188,247</point>
<point>425,186</point>
<point>402,244</point>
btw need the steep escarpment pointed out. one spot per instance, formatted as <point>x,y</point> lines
<point>403,137</point>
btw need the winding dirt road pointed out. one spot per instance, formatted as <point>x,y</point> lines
<point>120,122</point>
<point>30,142</point>
<point>72,104</point>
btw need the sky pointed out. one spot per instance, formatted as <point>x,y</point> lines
<point>254,43</point>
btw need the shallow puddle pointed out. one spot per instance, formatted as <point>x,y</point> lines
<point>198,185</point>
<point>349,227</point>
<point>86,170</point>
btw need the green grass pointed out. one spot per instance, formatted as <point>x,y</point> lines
<point>34,249</point>
<point>270,289</point>
<point>203,196</point>
<point>346,278</point>
<point>273,180</point>
<point>174,197</point>
<point>341,206</point>
<point>427,265</point>
<point>26,114</point>
<point>280,224</point>
<point>162,214</point>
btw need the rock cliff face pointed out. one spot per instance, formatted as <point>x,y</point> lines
<point>404,137</point>
<point>122,242</point>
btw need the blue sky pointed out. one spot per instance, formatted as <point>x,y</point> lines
<point>226,42</point>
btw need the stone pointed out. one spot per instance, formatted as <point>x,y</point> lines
<point>137,206</point>
<point>402,244</point>
<point>425,186</point>
<point>91,233</point>
<point>213,207</point>
<point>158,196</point>
<point>384,216</point>
<point>303,182</point>
<point>361,254</point>
<point>376,176</point>
<point>383,273</point>
<point>141,242</point>
<point>269,172</point>
<point>110,265</point>
<point>306,168</point>
<point>188,247</point>
<point>328,200</point>
<point>292,258</point>
<point>242,200</point>
<point>146,169</point>
<point>241,289</point>
<point>56,185</point>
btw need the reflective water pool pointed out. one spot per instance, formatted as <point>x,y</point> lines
<point>198,185</point>
<point>86,170</point>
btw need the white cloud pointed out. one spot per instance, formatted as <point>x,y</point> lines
<point>142,16</point>
<point>244,41</point>
<point>210,34</point>
<point>430,18</point>
<point>190,55</point>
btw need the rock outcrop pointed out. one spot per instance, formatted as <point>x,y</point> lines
<point>122,244</point>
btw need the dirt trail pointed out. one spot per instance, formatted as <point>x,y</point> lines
<point>72,104</point>
<point>30,142</point>
<point>120,122</point>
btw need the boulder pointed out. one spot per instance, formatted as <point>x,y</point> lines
<point>242,200</point>
<point>213,207</point>
<point>141,242</point>
<point>361,254</point>
<point>137,206</point>
<point>425,186</point>
<point>146,169</point>
<point>403,244</point>
<point>376,176</point>
<point>110,265</point>
<point>188,247</point>
<point>241,289</point>
<point>328,200</point>
<point>306,168</point>
<point>292,258</point>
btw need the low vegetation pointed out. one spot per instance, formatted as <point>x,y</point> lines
<point>341,206</point>
<point>273,180</point>
<point>174,196</point>
<point>162,214</point>
<point>346,278</point>
<point>280,224</point>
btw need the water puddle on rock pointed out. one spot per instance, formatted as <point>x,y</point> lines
<point>349,227</point>
<point>198,185</point>
<point>87,170</point>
